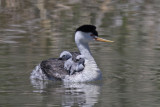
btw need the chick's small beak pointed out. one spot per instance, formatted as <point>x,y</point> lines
<point>102,40</point>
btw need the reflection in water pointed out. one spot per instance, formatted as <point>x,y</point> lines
<point>81,94</point>
<point>39,85</point>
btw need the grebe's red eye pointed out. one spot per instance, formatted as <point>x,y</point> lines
<point>92,35</point>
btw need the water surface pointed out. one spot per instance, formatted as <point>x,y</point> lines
<point>31,31</point>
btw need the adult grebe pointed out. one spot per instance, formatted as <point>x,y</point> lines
<point>54,68</point>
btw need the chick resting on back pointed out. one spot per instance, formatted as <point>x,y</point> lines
<point>78,65</point>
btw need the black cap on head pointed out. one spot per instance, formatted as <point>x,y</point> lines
<point>87,29</point>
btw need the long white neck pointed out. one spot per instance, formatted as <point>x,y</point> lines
<point>83,46</point>
<point>84,50</point>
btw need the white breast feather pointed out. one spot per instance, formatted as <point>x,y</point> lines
<point>91,72</point>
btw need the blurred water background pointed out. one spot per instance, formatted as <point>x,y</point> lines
<point>34,30</point>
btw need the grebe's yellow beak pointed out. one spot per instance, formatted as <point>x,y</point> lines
<point>102,40</point>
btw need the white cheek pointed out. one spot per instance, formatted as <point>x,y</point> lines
<point>83,37</point>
